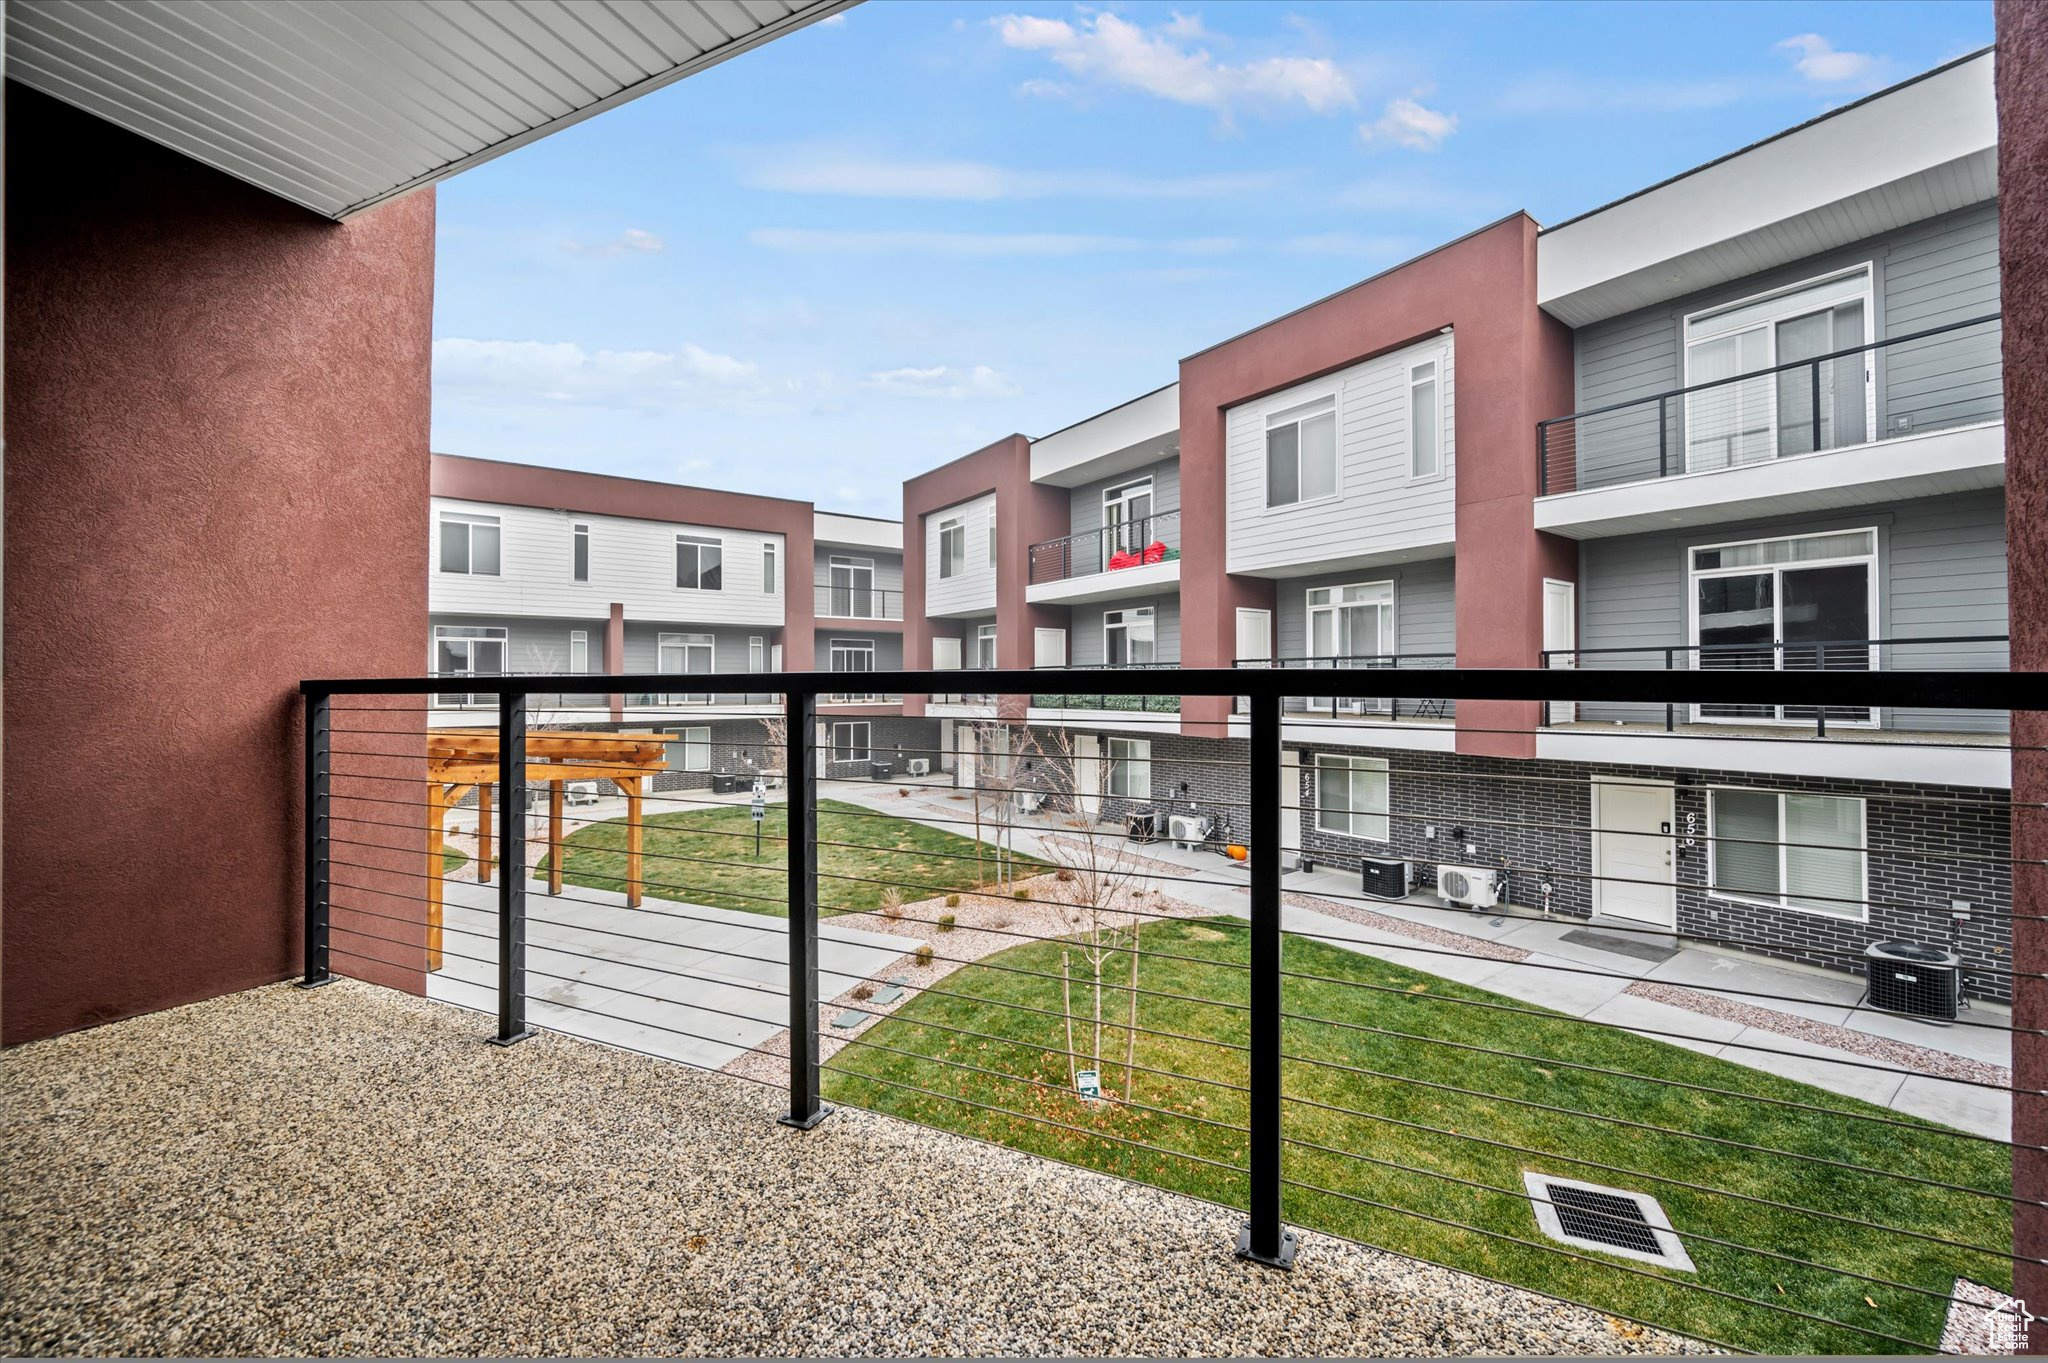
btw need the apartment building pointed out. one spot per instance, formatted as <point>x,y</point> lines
<point>1749,418</point>
<point>577,576</point>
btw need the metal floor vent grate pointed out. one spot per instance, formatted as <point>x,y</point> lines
<point>1608,1220</point>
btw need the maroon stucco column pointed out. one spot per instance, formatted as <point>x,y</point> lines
<point>217,484</point>
<point>2023,268</point>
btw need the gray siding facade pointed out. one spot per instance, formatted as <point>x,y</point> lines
<point>1934,272</point>
<point>1084,632</point>
<point>1940,569</point>
<point>1425,606</point>
<point>1085,513</point>
<point>531,645</point>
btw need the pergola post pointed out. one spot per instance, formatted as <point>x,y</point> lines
<point>483,832</point>
<point>555,836</point>
<point>635,840</point>
<point>437,811</point>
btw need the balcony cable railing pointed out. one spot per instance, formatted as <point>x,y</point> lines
<point>846,601</point>
<point>1133,543</point>
<point>1337,707</point>
<point>1101,700</point>
<point>1562,446</point>
<point>1252,1069</point>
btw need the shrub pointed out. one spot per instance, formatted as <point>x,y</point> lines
<point>1021,892</point>
<point>952,901</point>
<point>924,953</point>
<point>946,921</point>
<point>892,903</point>
<point>903,791</point>
<point>864,991</point>
<point>1064,873</point>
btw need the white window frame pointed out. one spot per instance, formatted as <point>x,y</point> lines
<point>1359,825</point>
<point>952,547</point>
<point>1381,594</point>
<point>1694,575</point>
<point>757,653</point>
<point>579,651</point>
<point>1860,910</point>
<point>470,636</point>
<point>768,576</point>
<point>1120,620</point>
<point>1769,324</point>
<point>700,543</point>
<point>689,644</point>
<point>469,523</point>
<point>1436,364</point>
<point>835,649</point>
<point>985,634</point>
<point>1313,409</point>
<point>695,742</point>
<point>843,584</point>
<point>579,552</point>
<point>844,749</point>
<point>1127,768</point>
<point>1118,532</point>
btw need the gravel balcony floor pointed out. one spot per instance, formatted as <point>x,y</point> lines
<point>353,1171</point>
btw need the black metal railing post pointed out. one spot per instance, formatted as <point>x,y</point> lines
<point>512,1026</point>
<point>1670,712</point>
<point>1264,1239</point>
<point>800,716</point>
<point>1816,406</point>
<point>1663,438</point>
<point>1542,459</point>
<point>319,775</point>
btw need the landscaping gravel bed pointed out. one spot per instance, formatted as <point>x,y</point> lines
<point>352,1170</point>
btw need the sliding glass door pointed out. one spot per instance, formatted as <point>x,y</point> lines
<point>1802,604</point>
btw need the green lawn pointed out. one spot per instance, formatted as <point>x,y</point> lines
<point>452,861</point>
<point>1420,1006</point>
<point>881,851</point>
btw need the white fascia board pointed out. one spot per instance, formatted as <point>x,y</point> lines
<point>1143,430</point>
<point>857,532</point>
<point>1926,123</point>
<point>1146,579</point>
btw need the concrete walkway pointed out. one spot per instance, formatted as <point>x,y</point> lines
<point>681,981</point>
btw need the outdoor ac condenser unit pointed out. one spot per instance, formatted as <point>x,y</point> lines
<point>919,766</point>
<point>1186,830</point>
<point>1475,887</point>
<point>1915,979</point>
<point>1387,879</point>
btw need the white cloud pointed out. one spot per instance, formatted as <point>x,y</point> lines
<point>869,177</point>
<point>1556,92</point>
<point>942,381</point>
<point>632,241</point>
<point>827,241</point>
<point>1113,53</point>
<point>1408,124</point>
<point>562,372</point>
<point>1819,62</point>
<point>833,20</point>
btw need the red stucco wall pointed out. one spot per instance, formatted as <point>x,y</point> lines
<point>1514,369</point>
<point>2023,268</point>
<point>216,484</point>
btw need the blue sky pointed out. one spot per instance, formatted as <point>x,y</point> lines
<point>890,238</point>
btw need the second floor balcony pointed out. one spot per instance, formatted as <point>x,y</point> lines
<point>1912,415</point>
<point>857,601</point>
<point>1141,554</point>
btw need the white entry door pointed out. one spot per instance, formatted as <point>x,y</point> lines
<point>1560,638</point>
<point>1632,853</point>
<point>1088,775</point>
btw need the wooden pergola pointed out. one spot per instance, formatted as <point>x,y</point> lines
<point>461,760</point>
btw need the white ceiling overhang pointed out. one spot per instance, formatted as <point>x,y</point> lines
<point>338,105</point>
<point>1920,149</point>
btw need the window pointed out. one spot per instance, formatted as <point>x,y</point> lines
<point>851,655</point>
<point>1130,768</point>
<point>850,585</point>
<point>1301,453</point>
<point>1128,637</point>
<point>1352,626</point>
<point>1425,422</point>
<point>689,749</point>
<point>991,537</point>
<point>468,651</point>
<point>579,555</point>
<point>1792,851</point>
<point>700,564</point>
<point>945,655</point>
<point>469,544</point>
<point>1351,796</point>
<point>952,547</point>
<point>768,570</point>
<point>1801,604</point>
<point>757,653</point>
<point>1127,517</point>
<point>579,651</point>
<point>687,653</point>
<point>850,740</point>
<point>1773,415</point>
<point>985,646</point>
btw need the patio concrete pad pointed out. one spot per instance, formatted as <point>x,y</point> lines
<point>1980,1034</point>
<point>1666,1023</point>
<point>682,981</point>
<point>1821,1066</point>
<point>1823,998</point>
<point>1555,982</point>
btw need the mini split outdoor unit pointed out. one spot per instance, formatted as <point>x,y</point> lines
<point>919,766</point>
<point>1187,830</point>
<point>1915,979</point>
<point>1475,887</point>
<point>1385,879</point>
